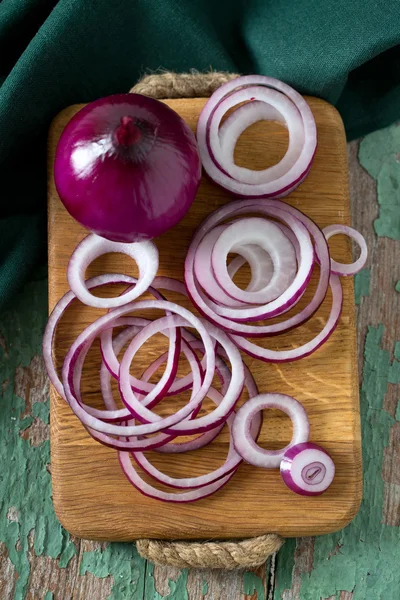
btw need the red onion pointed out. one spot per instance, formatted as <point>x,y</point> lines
<point>267,99</point>
<point>244,441</point>
<point>307,469</point>
<point>127,167</point>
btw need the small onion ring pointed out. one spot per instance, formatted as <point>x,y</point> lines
<point>91,247</point>
<point>351,268</point>
<point>244,442</point>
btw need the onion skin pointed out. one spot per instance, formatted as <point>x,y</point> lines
<point>127,167</point>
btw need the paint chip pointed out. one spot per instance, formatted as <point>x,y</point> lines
<point>12,514</point>
<point>362,281</point>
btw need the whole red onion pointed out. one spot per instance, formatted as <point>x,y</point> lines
<point>127,167</point>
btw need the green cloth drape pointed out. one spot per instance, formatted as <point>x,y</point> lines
<point>57,53</point>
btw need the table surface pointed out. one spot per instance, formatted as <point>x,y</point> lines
<point>40,560</point>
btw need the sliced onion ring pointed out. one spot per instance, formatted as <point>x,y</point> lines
<point>268,236</point>
<point>245,444</point>
<point>91,247</point>
<point>207,421</point>
<point>209,309</point>
<point>159,440</point>
<point>351,268</point>
<point>278,356</point>
<point>148,490</point>
<point>286,300</point>
<point>57,313</point>
<point>105,321</point>
<point>307,469</point>
<point>218,161</point>
<point>231,463</point>
<point>233,458</point>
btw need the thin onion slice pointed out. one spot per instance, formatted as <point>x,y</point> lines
<point>56,315</point>
<point>279,356</point>
<point>231,463</point>
<point>148,490</point>
<point>352,268</point>
<point>268,236</point>
<point>159,440</point>
<point>145,254</point>
<point>206,422</point>
<point>244,442</point>
<point>233,459</point>
<point>107,320</point>
<point>210,310</point>
<point>214,311</point>
<point>111,361</point>
<point>307,469</point>
<point>216,145</point>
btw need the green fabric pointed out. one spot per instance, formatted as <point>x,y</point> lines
<point>53,54</point>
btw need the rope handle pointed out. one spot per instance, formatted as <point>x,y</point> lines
<point>241,554</point>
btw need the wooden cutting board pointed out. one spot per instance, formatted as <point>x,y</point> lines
<point>92,497</point>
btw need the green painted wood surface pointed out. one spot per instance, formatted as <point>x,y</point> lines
<point>39,560</point>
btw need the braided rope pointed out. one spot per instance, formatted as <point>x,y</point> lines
<point>243,554</point>
<point>181,85</point>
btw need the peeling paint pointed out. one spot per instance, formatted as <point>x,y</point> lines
<point>397,286</point>
<point>397,416</point>
<point>344,574</point>
<point>177,589</point>
<point>361,284</point>
<point>123,564</point>
<point>48,596</point>
<point>378,154</point>
<point>253,584</point>
<point>26,485</point>
<point>204,589</point>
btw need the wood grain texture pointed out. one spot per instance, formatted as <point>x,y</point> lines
<point>91,496</point>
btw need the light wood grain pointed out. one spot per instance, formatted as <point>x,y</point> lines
<point>92,497</point>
